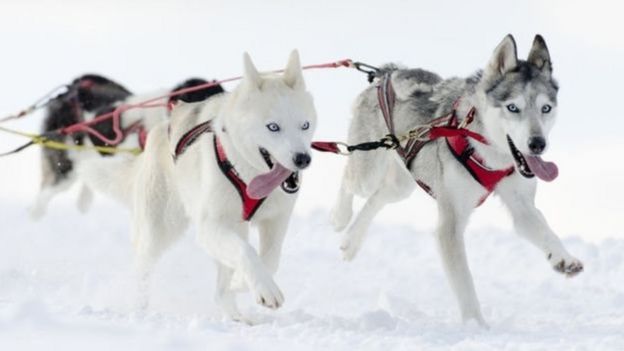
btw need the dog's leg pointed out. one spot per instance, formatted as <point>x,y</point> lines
<point>47,192</point>
<point>225,298</point>
<point>157,224</point>
<point>272,233</point>
<point>343,208</point>
<point>519,196</point>
<point>453,217</point>
<point>398,184</point>
<point>354,237</point>
<point>228,247</point>
<point>85,199</point>
<point>158,216</point>
<point>56,176</point>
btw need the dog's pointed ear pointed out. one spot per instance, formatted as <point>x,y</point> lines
<point>539,55</point>
<point>251,76</point>
<point>504,59</point>
<point>293,75</point>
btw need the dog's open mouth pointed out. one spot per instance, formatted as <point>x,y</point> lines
<point>262,185</point>
<point>530,166</point>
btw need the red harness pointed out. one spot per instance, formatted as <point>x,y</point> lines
<point>475,165</point>
<point>456,139</point>
<point>249,205</point>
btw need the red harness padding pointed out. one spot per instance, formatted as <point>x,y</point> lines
<point>458,144</point>
<point>475,165</point>
<point>190,137</point>
<point>250,206</point>
<point>456,138</point>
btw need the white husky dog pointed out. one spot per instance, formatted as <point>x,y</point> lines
<point>224,164</point>
<point>513,103</point>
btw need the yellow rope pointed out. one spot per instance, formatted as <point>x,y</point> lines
<point>57,145</point>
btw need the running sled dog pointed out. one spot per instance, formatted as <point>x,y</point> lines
<point>86,97</point>
<point>223,165</point>
<point>512,104</point>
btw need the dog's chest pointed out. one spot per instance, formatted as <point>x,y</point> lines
<point>205,189</point>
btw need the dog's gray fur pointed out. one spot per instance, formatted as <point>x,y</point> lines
<point>381,176</point>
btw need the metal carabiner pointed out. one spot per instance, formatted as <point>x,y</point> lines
<point>371,71</point>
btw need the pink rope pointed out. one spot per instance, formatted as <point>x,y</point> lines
<point>116,114</point>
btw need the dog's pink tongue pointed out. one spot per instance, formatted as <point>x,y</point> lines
<point>261,186</point>
<point>544,170</point>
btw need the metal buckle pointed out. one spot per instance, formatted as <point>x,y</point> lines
<point>390,142</point>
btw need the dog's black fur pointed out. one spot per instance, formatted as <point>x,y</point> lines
<point>99,95</point>
<point>87,93</point>
<point>198,95</point>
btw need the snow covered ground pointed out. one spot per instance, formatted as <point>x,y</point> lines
<point>66,282</point>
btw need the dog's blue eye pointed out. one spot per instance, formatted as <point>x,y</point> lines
<point>513,108</point>
<point>306,125</point>
<point>546,108</point>
<point>274,127</point>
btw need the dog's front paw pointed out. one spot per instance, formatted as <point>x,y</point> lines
<point>566,264</point>
<point>267,293</point>
<point>351,244</point>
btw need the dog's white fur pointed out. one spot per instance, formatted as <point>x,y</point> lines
<point>166,195</point>
<point>86,162</point>
<point>382,178</point>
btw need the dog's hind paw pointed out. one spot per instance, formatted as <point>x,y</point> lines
<point>569,265</point>
<point>268,294</point>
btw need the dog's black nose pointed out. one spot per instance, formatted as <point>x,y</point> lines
<point>537,145</point>
<point>302,160</point>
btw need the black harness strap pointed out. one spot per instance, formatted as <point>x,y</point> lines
<point>190,137</point>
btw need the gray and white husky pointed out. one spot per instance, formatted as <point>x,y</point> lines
<point>514,104</point>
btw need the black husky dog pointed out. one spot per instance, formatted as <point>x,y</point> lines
<point>86,97</point>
